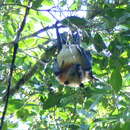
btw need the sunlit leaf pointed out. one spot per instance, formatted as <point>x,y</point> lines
<point>116,80</point>
<point>23,114</point>
<point>48,2</point>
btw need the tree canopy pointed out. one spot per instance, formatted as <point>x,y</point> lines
<point>30,95</point>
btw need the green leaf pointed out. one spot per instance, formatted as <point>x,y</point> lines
<point>80,22</point>
<point>16,103</point>
<point>5,126</point>
<point>23,114</point>
<point>14,1</point>
<point>63,2</point>
<point>37,3</point>
<point>53,100</point>
<point>116,80</point>
<point>73,126</point>
<point>126,126</point>
<point>126,35</point>
<point>74,6</point>
<point>48,2</point>
<point>99,43</point>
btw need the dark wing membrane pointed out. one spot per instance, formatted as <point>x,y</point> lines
<point>89,57</point>
<point>86,59</point>
<point>56,68</point>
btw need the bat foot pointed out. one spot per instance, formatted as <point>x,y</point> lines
<point>81,85</point>
<point>66,82</point>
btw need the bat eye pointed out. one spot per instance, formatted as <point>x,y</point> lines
<point>66,82</point>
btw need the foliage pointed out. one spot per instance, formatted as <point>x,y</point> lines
<point>37,100</point>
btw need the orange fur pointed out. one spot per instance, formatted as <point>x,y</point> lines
<point>68,57</point>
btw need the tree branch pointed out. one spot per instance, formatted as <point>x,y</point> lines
<point>12,65</point>
<point>36,67</point>
<point>33,34</point>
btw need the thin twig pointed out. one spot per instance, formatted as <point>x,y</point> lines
<point>35,68</point>
<point>40,31</point>
<point>33,34</point>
